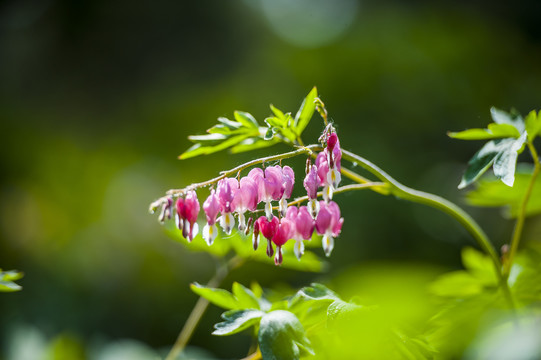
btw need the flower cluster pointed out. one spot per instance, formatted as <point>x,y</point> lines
<point>237,197</point>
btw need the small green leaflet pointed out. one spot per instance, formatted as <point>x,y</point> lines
<point>508,136</point>
<point>7,279</point>
<point>533,125</point>
<point>245,133</point>
<point>237,320</point>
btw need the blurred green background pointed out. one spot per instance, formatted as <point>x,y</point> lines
<point>96,101</point>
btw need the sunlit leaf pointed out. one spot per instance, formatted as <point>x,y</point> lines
<point>533,125</point>
<point>253,144</point>
<point>269,134</point>
<point>500,153</point>
<point>237,320</point>
<point>246,119</point>
<point>7,279</point>
<point>281,336</point>
<point>229,123</point>
<point>304,115</point>
<point>502,117</point>
<point>218,297</point>
<point>494,131</point>
<point>245,297</point>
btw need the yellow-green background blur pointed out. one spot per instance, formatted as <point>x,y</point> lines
<point>97,99</point>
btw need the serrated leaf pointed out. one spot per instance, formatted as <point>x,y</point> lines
<point>490,192</point>
<point>502,117</point>
<point>494,131</point>
<point>479,265</point>
<point>218,297</point>
<point>245,297</point>
<point>281,336</point>
<point>236,321</point>
<point>253,144</point>
<point>304,115</point>
<point>533,125</point>
<point>504,151</point>
<point>246,119</point>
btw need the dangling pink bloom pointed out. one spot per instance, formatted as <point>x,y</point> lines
<point>283,233</point>
<point>311,182</point>
<point>269,186</point>
<point>334,158</point>
<point>179,220</point>
<point>189,212</point>
<point>268,229</point>
<point>226,190</point>
<point>303,229</point>
<point>329,224</point>
<point>211,206</point>
<point>245,199</point>
<point>288,180</point>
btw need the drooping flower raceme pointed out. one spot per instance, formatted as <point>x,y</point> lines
<point>211,206</point>
<point>329,224</point>
<point>226,190</point>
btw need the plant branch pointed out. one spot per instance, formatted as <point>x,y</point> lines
<point>201,306</point>
<point>341,189</point>
<point>234,171</point>
<point>522,213</point>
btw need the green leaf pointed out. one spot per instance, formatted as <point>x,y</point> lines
<point>502,153</point>
<point>7,279</point>
<point>245,297</point>
<point>246,119</point>
<point>490,192</point>
<point>274,122</point>
<point>225,130</point>
<point>194,150</point>
<point>533,125</point>
<point>281,336</point>
<point>209,139</point>
<point>279,114</point>
<point>237,320</point>
<point>494,131</point>
<point>205,150</point>
<point>253,144</point>
<point>218,297</point>
<point>304,115</point>
<point>502,117</point>
<point>229,123</point>
<point>456,284</point>
<point>317,292</point>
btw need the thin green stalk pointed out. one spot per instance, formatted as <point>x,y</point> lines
<point>200,307</point>
<point>522,213</point>
<point>406,193</point>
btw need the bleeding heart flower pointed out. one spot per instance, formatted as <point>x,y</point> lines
<point>329,224</point>
<point>211,206</point>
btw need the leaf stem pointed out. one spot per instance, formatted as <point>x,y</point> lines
<point>406,193</point>
<point>341,189</point>
<point>522,213</point>
<point>201,306</point>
